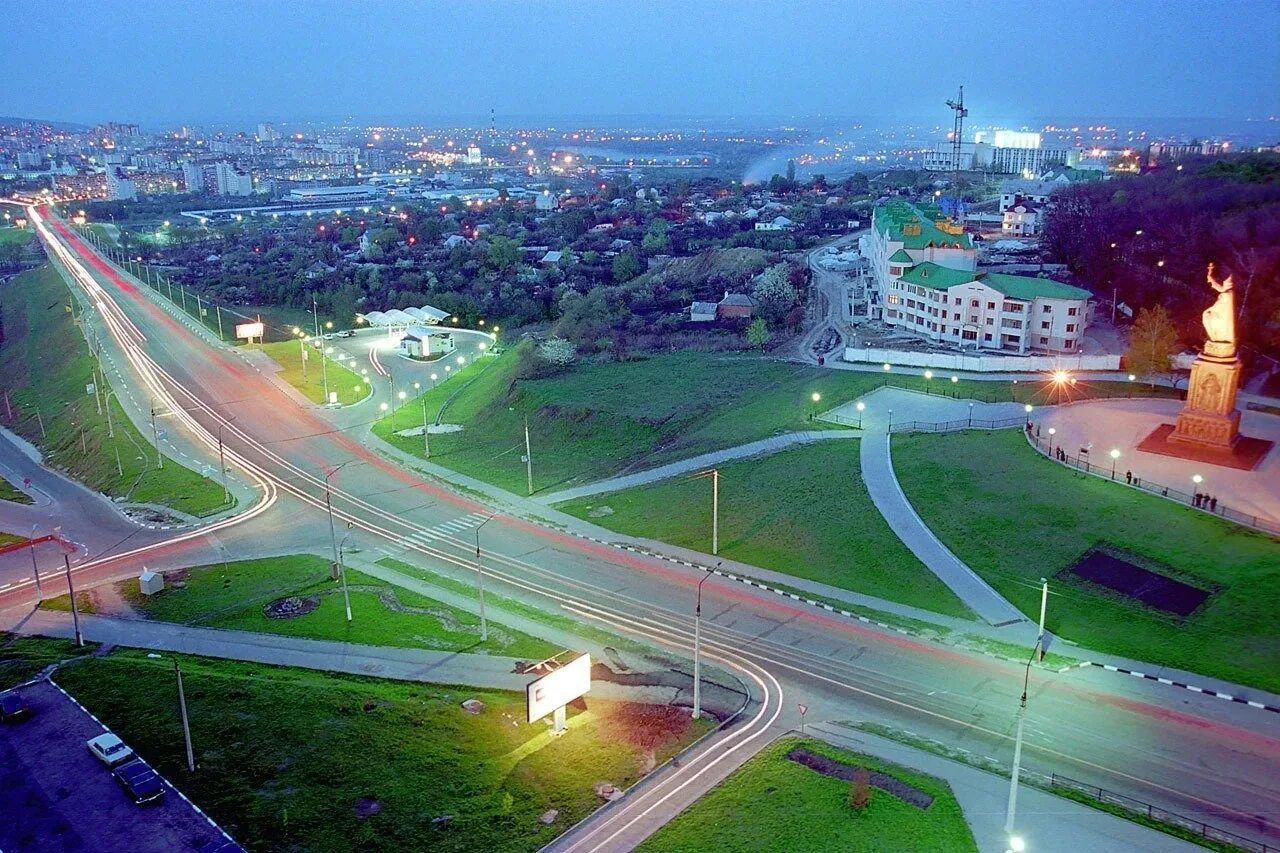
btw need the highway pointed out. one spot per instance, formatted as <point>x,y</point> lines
<point>1213,760</point>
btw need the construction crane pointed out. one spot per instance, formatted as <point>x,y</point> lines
<point>957,134</point>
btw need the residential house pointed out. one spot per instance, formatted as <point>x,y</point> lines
<point>734,305</point>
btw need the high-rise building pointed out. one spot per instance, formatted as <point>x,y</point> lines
<point>232,180</point>
<point>268,133</point>
<point>119,186</point>
<point>473,155</point>
<point>193,177</point>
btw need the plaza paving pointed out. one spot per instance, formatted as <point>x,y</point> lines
<point>897,405</point>
<point>1104,425</point>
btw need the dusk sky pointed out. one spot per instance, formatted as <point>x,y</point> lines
<point>156,62</point>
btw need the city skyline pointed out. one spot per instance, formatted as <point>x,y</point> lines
<point>695,61</point>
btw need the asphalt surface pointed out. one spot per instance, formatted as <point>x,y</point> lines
<point>59,797</point>
<point>1194,754</point>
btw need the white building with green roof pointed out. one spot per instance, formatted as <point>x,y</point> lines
<point>925,279</point>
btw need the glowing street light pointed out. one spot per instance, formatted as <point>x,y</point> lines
<point>1115,454</point>
<point>1052,433</point>
<point>861,408</point>
<point>887,366</point>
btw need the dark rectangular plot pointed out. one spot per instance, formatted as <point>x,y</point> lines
<point>1151,588</point>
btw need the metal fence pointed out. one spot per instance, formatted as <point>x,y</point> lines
<point>1197,827</point>
<point>1109,471</point>
<point>932,426</point>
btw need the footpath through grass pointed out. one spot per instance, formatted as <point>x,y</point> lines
<point>309,377</point>
<point>11,493</point>
<point>44,368</point>
<point>292,759</point>
<point>23,658</point>
<point>601,419</point>
<point>233,596</point>
<point>1015,516</point>
<point>803,511</point>
<point>775,804</point>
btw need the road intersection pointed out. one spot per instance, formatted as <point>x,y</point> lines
<point>1193,754</point>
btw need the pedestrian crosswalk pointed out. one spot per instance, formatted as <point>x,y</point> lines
<point>449,529</point>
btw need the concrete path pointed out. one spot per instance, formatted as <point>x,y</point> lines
<point>887,495</point>
<point>696,463</point>
<point>1047,823</point>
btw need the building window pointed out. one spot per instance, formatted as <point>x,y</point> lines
<point>1045,324</point>
<point>1069,343</point>
<point>987,337</point>
<point>895,270</point>
<point>1011,307</point>
<point>955,316</point>
<point>894,299</point>
<point>1071,327</point>
<point>1071,312</point>
<point>991,321</point>
<point>973,303</point>
<point>1044,341</point>
<point>969,335</point>
<point>1048,309</point>
<point>991,306</point>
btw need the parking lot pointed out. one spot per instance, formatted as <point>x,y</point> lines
<point>57,796</point>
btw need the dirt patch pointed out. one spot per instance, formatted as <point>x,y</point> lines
<point>647,726</point>
<point>367,807</point>
<point>291,607</point>
<point>838,770</point>
<point>1130,580</point>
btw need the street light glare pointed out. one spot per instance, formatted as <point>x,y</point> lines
<point>1115,454</point>
<point>1060,376</point>
<point>861,406</point>
<point>1017,844</point>
<point>816,396</point>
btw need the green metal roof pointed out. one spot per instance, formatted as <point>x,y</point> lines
<point>930,274</point>
<point>1028,287</point>
<point>900,257</point>
<point>891,218</point>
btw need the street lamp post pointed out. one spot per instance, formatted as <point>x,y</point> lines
<point>342,571</point>
<point>971,414</point>
<point>928,381</point>
<point>816,398</point>
<point>71,593</point>
<point>426,434</point>
<point>1052,431</point>
<point>1115,454</point>
<point>484,626</point>
<point>328,505</point>
<point>1016,843</point>
<point>697,649</point>
<point>861,408</point>
<point>1044,605</point>
<point>35,567</point>
<point>155,435</point>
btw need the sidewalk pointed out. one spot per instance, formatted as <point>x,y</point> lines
<point>696,463</point>
<point>1048,823</point>
<point>887,495</point>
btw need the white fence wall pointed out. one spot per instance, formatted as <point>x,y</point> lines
<point>980,363</point>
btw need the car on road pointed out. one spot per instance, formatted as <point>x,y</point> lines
<point>139,781</point>
<point>13,708</point>
<point>345,333</point>
<point>109,749</point>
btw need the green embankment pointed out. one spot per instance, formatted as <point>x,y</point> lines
<point>775,804</point>
<point>601,419</point>
<point>1015,516</point>
<point>292,759</point>
<point>46,384</point>
<point>803,511</point>
<point>310,378</point>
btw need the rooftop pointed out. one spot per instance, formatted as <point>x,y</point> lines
<point>1023,287</point>
<point>919,226</point>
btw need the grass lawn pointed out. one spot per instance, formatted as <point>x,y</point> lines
<point>232,596</point>
<point>22,658</point>
<point>13,235</point>
<point>10,492</point>
<point>51,380</point>
<point>309,379</point>
<point>774,804</point>
<point>1014,517</point>
<point>803,511</point>
<point>11,538</point>
<point>292,759</point>
<point>601,419</point>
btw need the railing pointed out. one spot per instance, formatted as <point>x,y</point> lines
<point>957,425</point>
<point>1191,825</point>
<point>1109,471</point>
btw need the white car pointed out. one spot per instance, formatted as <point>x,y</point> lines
<point>110,749</point>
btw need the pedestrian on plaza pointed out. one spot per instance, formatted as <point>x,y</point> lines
<point>1213,504</point>
<point>1128,477</point>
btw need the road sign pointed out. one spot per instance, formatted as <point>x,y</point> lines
<point>90,389</point>
<point>249,331</point>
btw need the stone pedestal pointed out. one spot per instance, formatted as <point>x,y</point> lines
<point>1210,417</point>
<point>1208,427</point>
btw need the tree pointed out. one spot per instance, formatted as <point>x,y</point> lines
<point>503,253</point>
<point>774,294</point>
<point>626,266</point>
<point>758,333</point>
<point>1152,343</point>
<point>791,171</point>
<point>655,236</point>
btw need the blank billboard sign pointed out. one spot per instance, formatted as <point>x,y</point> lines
<point>559,688</point>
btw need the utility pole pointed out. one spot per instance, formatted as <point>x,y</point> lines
<point>528,455</point>
<point>71,591</point>
<point>218,309</point>
<point>697,649</point>
<point>111,429</point>
<point>342,572</point>
<point>35,568</point>
<point>1013,842</point>
<point>1044,603</point>
<point>222,463</point>
<point>40,420</point>
<point>328,505</point>
<point>155,435</point>
<point>426,436</point>
<point>183,292</point>
<point>484,626</point>
<point>715,511</point>
<point>186,726</point>
<point>315,315</point>
<point>199,310</point>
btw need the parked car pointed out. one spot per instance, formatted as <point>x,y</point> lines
<point>14,708</point>
<point>346,333</point>
<point>139,781</point>
<point>109,749</point>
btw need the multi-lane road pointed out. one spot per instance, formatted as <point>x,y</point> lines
<point>1216,760</point>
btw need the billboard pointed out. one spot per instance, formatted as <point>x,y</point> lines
<point>557,689</point>
<point>249,331</point>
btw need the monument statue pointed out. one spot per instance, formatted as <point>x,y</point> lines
<point>1220,317</point>
<point>1208,427</point>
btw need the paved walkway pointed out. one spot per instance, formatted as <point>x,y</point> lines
<point>887,495</point>
<point>1048,823</point>
<point>696,463</point>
